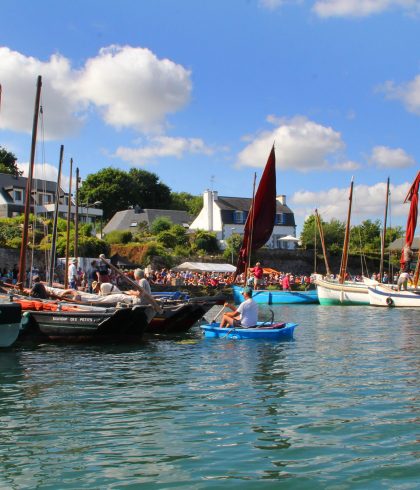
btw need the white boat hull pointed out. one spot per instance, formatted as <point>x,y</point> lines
<point>347,294</point>
<point>385,296</point>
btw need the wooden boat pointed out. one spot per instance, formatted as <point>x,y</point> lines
<point>82,324</point>
<point>10,323</point>
<point>180,316</point>
<point>273,297</point>
<point>381,295</point>
<point>348,293</point>
<point>263,331</point>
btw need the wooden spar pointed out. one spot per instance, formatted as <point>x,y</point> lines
<point>54,233</point>
<point>344,257</point>
<point>249,244</point>
<point>137,286</point>
<point>76,217</point>
<point>381,265</point>
<point>321,236</point>
<point>28,196</point>
<point>66,278</point>
<point>416,272</point>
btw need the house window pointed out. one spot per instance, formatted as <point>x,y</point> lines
<point>238,217</point>
<point>280,219</point>
<point>18,196</point>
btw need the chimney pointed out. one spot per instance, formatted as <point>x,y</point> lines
<point>208,206</point>
<point>215,196</point>
<point>282,199</point>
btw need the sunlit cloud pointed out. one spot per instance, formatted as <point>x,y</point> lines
<point>46,171</point>
<point>301,145</point>
<point>361,8</point>
<point>384,157</point>
<point>162,147</point>
<point>128,86</point>
<point>408,93</point>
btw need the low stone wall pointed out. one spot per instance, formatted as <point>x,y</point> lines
<point>10,257</point>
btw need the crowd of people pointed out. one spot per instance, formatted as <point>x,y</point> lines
<point>98,273</point>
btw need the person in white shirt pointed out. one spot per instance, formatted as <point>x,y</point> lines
<point>72,274</point>
<point>245,315</point>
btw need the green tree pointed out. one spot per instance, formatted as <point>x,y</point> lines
<point>187,202</point>
<point>110,186</point>
<point>8,163</point>
<point>233,245</point>
<point>366,237</point>
<point>163,223</point>
<point>147,191</point>
<point>206,241</point>
<point>119,236</point>
<point>333,234</point>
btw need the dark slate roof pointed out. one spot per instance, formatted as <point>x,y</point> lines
<point>123,220</point>
<point>228,205</point>
<point>398,244</point>
<point>7,180</point>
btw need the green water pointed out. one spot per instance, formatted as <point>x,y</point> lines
<point>336,408</point>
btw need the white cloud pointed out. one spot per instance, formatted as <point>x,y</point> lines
<point>133,88</point>
<point>301,145</point>
<point>161,147</point>
<point>384,157</point>
<point>275,4</point>
<point>347,166</point>
<point>408,93</point>
<point>368,202</point>
<point>18,78</point>
<point>360,8</point>
<point>46,171</point>
<point>129,86</point>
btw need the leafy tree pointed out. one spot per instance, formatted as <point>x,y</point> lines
<point>167,239</point>
<point>233,243</point>
<point>8,163</point>
<point>180,233</point>
<point>366,237</point>
<point>205,241</point>
<point>333,233</point>
<point>147,191</point>
<point>110,186</point>
<point>160,224</point>
<point>187,202</point>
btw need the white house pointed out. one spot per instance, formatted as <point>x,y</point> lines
<point>227,215</point>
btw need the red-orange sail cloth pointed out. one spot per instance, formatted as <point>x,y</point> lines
<point>260,221</point>
<point>413,196</point>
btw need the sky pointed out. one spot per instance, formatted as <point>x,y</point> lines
<point>199,91</point>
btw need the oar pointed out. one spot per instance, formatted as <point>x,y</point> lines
<point>150,298</point>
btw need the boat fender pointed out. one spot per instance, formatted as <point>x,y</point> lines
<point>390,301</point>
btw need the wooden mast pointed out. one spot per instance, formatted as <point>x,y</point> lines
<point>56,207</point>
<point>249,248</point>
<point>344,257</point>
<point>66,278</point>
<point>321,236</point>
<point>76,218</point>
<point>28,196</point>
<point>381,265</point>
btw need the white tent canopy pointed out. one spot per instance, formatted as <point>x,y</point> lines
<point>290,238</point>
<point>204,267</point>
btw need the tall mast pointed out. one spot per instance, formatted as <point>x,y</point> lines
<point>76,217</point>
<point>252,211</point>
<point>57,203</point>
<point>381,265</point>
<point>344,257</point>
<point>66,278</point>
<point>28,196</point>
<point>321,236</point>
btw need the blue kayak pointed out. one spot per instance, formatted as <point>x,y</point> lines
<point>277,297</point>
<point>263,330</point>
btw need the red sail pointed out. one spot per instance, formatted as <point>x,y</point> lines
<point>260,221</point>
<point>413,196</point>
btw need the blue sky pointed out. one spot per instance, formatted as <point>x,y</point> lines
<point>197,92</point>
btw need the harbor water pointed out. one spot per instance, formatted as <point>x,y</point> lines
<point>335,408</point>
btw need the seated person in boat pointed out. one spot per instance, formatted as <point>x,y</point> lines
<point>38,289</point>
<point>245,315</point>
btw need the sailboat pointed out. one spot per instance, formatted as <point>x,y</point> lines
<point>381,295</point>
<point>258,229</point>
<point>342,292</point>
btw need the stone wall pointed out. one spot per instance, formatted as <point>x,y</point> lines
<point>9,257</point>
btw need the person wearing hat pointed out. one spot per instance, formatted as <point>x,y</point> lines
<point>72,274</point>
<point>245,315</point>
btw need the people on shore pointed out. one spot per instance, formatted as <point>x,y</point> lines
<point>72,274</point>
<point>245,315</point>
